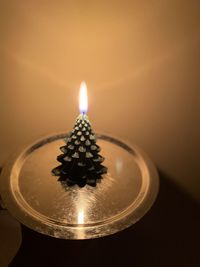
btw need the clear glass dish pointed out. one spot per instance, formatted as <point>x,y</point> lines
<point>38,200</point>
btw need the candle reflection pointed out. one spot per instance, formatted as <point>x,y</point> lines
<point>119,165</point>
<point>81,217</point>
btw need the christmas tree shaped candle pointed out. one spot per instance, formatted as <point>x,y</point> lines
<point>80,161</point>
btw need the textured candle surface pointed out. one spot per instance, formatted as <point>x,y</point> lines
<point>80,161</point>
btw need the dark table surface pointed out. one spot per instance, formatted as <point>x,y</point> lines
<point>168,235</point>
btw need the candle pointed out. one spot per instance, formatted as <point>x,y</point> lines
<point>80,161</point>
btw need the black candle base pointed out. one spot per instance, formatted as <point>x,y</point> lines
<point>80,182</point>
<point>80,161</point>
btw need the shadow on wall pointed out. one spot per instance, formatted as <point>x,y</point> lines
<point>167,236</point>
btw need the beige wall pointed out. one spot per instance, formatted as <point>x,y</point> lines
<point>140,59</point>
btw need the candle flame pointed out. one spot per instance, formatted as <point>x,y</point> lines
<point>83,98</point>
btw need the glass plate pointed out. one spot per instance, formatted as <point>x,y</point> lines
<point>38,200</point>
